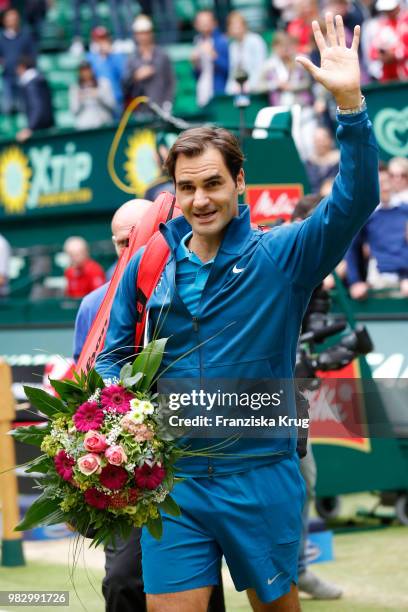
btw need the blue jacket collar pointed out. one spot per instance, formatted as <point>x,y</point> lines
<point>238,231</point>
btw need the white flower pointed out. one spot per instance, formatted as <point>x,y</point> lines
<point>143,405</point>
<point>147,407</point>
<point>136,415</point>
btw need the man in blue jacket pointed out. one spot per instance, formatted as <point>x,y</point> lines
<point>234,299</point>
<point>210,58</point>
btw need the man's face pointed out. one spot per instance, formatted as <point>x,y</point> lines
<point>11,20</point>
<point>77,253</point>
<point>399,177</point>
<point>206,192</point>
<point>120,237</point>
<point>205,23</point>
<point>144,38</point>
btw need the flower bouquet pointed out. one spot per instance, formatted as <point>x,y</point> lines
<point>106,465</point>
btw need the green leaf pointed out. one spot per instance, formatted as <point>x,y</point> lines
<point>130,381</point>
<point>32,434</point>
<point>169,506</point>
<point>69,390</point>
<point>39,464</point>
<point>155,527</point>
<point>42,509</point>
<point>148,362</point>
<point>94,381</point>
<point>126,371</point>
<point>46,403</point>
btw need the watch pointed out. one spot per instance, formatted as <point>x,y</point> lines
<point>353,111</point>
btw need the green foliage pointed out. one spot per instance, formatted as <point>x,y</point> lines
<point>39,464</point>
<point>46,403</point>
<point>70,392</point>
<point>169,506</point>
<point>128,380</point>
<point>44,511</point>
<point>93,382</point>
<point>32,434</point>
<point>148,362</point>
<point>155,527</point>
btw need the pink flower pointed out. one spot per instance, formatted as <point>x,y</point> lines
<point>116,398</point>
<point>95,442</point>
<point>149,476</point>
<point>90,464</point>
<point>141,431</point>
<point>63,464</point>
<point>113,477</point>
<point>88,416</point>
<point>115,455</point>
<point>97,499</point>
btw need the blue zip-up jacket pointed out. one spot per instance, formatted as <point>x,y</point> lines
<point>248,322</point>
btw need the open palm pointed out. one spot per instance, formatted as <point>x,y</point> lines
<point>339,70</point>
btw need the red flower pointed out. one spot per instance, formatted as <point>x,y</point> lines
<point>113,477</point>
<point>63,464</point>
<point>149,476</point>
<point>116,398</point>
<point>97,499</point>
<point>88,416</point>
<point>127,498</point>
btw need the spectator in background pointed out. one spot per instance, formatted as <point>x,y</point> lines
<point>83,274</point>
<point>149,71</point>
<point>107,64</point>
<point>384,241</point>
<point>398,171</point>
<point>5,253</point>
<point>324,162</point>
<point>247,53</point>
<point>288,84</point>
<point>301,26</point>
<point>286,81</point>
<point>14,42</point>
<point>36,98</point>
<point>91,101</point>
<point>210,58</point>
<point>34,13</point>
<point>77,47</point>
<point>389,41</point>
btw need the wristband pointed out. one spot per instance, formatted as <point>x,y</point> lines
<point>353,111</point>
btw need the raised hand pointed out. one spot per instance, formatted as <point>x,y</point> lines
<point>339,70</point>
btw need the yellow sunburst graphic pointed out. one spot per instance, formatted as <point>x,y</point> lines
<point>15,174</point>
<point>141,166</point>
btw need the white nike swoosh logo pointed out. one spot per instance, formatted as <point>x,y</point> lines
<point>237,270</point>
<point>272,580</point>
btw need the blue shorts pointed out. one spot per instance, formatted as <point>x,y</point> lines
<point>253,518</point>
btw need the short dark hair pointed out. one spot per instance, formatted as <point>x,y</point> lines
<point>195,141</point>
